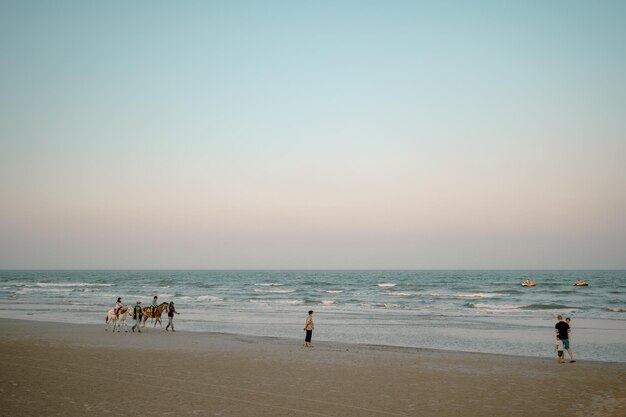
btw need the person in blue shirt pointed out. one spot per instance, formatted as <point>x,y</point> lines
<point>154,305</point>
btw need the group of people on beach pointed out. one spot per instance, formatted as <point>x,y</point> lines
<point>153,312</point>
<point>563,330</point>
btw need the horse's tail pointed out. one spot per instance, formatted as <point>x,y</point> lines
<point>107,319</point>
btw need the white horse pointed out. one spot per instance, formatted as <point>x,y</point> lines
<point>119,320</point>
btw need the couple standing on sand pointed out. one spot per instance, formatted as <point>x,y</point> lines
<point>563,330</point>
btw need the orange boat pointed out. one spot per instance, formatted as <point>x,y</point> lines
<point>528,283</point>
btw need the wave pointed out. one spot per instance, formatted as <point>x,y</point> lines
<point>508,307</point>
<point>329,302</point>
<point>387,306</point>
<point>39,291</point>
<point>545,307</point>
<point>211,298</point>
<point>71,284</point>
<point>478,295</point>
<point>616,309</point>
<point>166,295</point>
<point>333,291</point>
<point>387,285</point>
<point>512,291</point>
<point>275,291</point>
<point>495,307</point>
<point>280,302</point>
<point>270,284</point>
<point>401,294</point>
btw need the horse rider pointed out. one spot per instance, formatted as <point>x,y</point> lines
<point>154,306</point>
<point>137,316</point>
<point>118,306</point>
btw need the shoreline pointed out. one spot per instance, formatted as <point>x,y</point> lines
<point>83,336</point>
<point>591,334</point>
<point>79,369</point>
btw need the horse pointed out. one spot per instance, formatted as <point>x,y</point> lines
<point>119,320</point>
<point>158,311</point>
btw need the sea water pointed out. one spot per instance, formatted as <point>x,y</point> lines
<point>473,311</point>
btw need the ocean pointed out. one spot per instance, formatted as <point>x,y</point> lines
<point>472,311</point>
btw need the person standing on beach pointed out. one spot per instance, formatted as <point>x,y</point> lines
<point>137,316</point>
<point>308,328</point>
<point>170,315</point>
<point>559,349</point>
<point>569,333</point>
<point>562,329</point>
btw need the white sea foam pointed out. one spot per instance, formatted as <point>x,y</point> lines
<point>71,284</point>
<point>43,290</point>
<point>400,294</point>
<point>333,291</point>
<point>478,295</point>
<point>387,305</point>
<point>329,302</point>
<point>387,285</point>
<point>39,291</point>
<point>211,298</point>
<point>497,307</point>
<point>270,284</point>
<point>275,291</point>
<point>289,302</point>
<point>276,302</point>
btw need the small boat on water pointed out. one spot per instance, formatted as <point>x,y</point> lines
<point>528,283</point>
<point>580,283</point>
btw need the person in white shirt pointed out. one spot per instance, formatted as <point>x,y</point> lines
<point>559,349</point>
<point>308,328</point>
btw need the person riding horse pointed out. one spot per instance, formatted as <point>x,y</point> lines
<point>118,306</point>
<point>154,306</point>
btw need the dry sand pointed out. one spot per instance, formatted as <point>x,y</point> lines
<point>52,369</point>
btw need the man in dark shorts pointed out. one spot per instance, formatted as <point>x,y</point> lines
<point>562,329</point>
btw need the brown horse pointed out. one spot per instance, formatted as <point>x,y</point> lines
<point>158,311</point>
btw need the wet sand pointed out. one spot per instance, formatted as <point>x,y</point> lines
<point>54,369</point>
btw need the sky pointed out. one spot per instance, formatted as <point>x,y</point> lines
<point>312,135</point>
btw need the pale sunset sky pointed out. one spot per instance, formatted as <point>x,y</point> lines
<point>312,134</point>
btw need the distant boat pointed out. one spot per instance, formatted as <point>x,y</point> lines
<point>580,283</point>
<point>528,283</point>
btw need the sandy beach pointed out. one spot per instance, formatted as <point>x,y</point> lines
<point>53,369</point>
